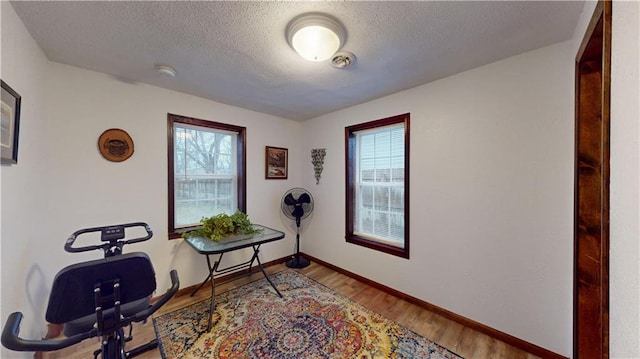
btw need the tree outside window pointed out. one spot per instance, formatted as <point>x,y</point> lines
<point>206,171</point>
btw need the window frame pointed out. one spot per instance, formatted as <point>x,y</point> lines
<point>240,164</point>
<point>350,185</point>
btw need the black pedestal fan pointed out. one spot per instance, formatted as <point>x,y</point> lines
<point>297,203</point>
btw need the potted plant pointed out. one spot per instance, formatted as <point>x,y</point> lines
<point>223,226</point>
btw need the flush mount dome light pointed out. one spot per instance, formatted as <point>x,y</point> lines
<point>315,36</point>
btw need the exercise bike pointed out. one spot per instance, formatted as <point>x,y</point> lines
<point>99,298</point>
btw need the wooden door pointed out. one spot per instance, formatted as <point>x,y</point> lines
<point>591,224</point>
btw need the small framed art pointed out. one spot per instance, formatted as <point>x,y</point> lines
<point>276,163</point>
<point>10,124</point>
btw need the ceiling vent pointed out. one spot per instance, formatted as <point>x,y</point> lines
<point>343,59</point>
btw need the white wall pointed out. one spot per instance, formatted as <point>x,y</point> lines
<point>491,195</point>
<point>24,216</point>
<point>625,180</point>
<point>62,183</point>
<point>92,191</point>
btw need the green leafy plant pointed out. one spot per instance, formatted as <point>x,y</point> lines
<point>223,225</point>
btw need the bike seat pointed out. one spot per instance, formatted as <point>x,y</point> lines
<point>70,302</point>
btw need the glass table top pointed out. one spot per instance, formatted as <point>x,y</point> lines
<point>206,246</point>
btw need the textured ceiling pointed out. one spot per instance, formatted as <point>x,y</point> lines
<point>236,52</point>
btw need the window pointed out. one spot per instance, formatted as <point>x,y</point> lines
<point>377,182</point>
<point>206,171</point>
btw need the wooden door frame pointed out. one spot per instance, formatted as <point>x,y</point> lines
<point>591,211</point>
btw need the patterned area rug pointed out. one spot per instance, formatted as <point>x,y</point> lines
<point>310,321</point>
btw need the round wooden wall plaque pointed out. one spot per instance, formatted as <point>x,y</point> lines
<point>115,145</point>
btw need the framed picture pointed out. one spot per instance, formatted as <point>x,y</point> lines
<point>9,125</point>
<point>276,163</point>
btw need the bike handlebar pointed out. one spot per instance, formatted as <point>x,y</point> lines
<point>68,246</point>
<point>11,332</point>
<point>11,338</point>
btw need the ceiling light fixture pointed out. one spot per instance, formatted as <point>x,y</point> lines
<point>315,36</point>
<point>166,71</point>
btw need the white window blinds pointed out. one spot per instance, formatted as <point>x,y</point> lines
<point>379,210</point>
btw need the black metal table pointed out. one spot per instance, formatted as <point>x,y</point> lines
<point>208,248</point>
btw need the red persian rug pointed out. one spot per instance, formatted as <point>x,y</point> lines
<point>310,321</point>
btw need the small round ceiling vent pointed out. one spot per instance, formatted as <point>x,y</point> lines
<point>343,59</point>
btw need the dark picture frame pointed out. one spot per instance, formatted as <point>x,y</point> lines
<point>276,163</point>
<point>9,124</point>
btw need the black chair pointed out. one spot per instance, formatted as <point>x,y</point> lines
<point>98,298</point>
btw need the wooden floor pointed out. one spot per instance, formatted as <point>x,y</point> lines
<point>458,338</point>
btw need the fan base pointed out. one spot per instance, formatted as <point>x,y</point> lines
<point>298,262</point>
